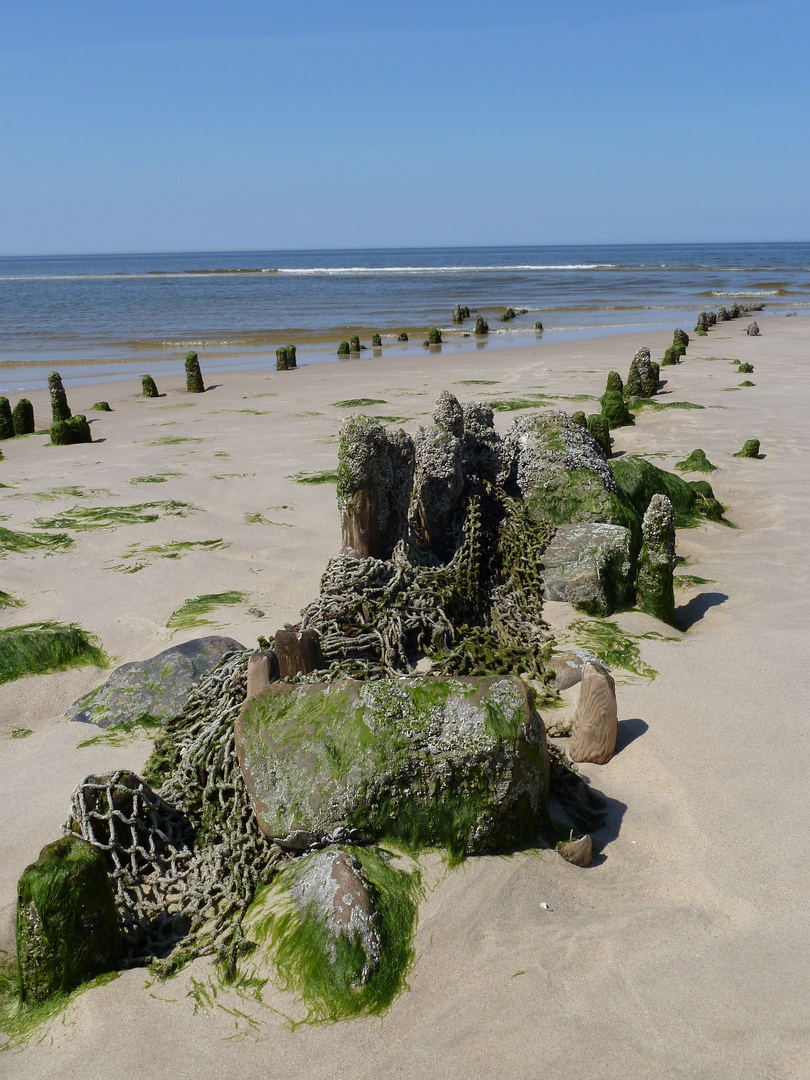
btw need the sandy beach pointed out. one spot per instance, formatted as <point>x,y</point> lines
<point>684,950</point>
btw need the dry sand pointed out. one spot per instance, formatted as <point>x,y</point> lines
<point>684,952</point>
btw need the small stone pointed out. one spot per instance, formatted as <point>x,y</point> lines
<point>579,852</point>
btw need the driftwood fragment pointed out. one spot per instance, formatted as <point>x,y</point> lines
<point>596,722</point>
<point>262,668</point>
<point>297,653</point>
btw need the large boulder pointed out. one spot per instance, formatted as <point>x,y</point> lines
<point>461,763</point>
<point>156,688</point>
<point>590,565</point>
<point>67,923</point>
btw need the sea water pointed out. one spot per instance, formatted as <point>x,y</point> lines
<point>96,317</point>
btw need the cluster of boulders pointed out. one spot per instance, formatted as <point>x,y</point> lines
<point>707,319</point>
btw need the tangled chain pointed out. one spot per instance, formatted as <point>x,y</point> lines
<point>186,861</point>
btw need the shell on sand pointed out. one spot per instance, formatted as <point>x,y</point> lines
<point>596,722</point>
<point>579,852</point>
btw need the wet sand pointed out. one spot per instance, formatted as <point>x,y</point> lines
<point>683,951</point>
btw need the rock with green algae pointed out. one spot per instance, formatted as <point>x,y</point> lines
<point>149,387</point>
<point>461,763</point>
<point>67,923</point>
<point>60,410</point>
<point>354,344</point>
<point>343,349</point>
<point>614,383</point>
<point>402,337</point>
<point>752,329</point>
<point>376,341</point>
<point>642,380</point>
<point>655,592</point>
<point>579,418</point>
<point>614,409</point>
<point>750,449</point>
<point>638,480</point>
<point>460,313</point>
<point>696,462</point>
<point>194,379</point>
<point>375,477</point>
<point>434,336</point>
<point>6,420</point>
<point>745,369</point>
<point>74,430</point>
<point>285,358</point>
<point>481,326</point>
<point>673,354</point>
<point>101,406</point>
<point>23,417</point>
<point>156,688</point>
<point>590,565</point>
<point>680,337</point>
<point>600,430</point>
<point>508,315</point>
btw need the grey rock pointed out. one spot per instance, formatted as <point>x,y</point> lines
<point>589,564</point>
<point>642,380</point>
<point>752,329</point>
<point>330,886</point>
<point>656,562</point>
<point>157,687</point>
<point>459,762</point>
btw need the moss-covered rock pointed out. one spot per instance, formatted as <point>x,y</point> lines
<point>702,323</point>
<point>101,406</point>
<point>680,337</point>
<point>655,592</point>
<point>402,337</point>
<point>750,449</point>
<point>285,358</point>
<point>434,336</point>
<point>74,430</point>
<point>614,409</point>
<point>60,410</point>
<point>696,462</point>
<point>638,480</point>
<point>538,326</point>
<point>752,329</point>
<point>376,341</point>
<point>460,313</point>
<point>23,417</point>
<point>458,763</point>
<point>354,343</point>
<point>149,387</point>
<point>642,380</point>
<point>579,418</point>
<point>508,315</point>
<point>590,565</point>
<point>600,430</point>
<point>194,379</point>
<point>481,326</point>
<point>344,348</point>
<point>745,369</point>
<point>6,421</point>
<point>67,923</point>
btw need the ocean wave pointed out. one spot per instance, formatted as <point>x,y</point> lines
<point>748,292</point>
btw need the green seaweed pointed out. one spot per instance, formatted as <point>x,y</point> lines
<point>40,647</point>
<point>358,403</point>
<point>111,517</point>
<point>615,646</point>
<point>69,492</point>
<point>189,614</point>
<point>120,734</point>
<point>257,518</point>
<point>174,440</point>
<point>174,549</point>
<point>636,404</point>
<point>535,401</point>
<point>476,382</point>
<point>20,541</point>
<point>390,419</point>
<point>690,581</point>
<point>158,478</point>
<point>300,945</point>
<point>20,732</point>
<point>7,600</point>
<point>328,476</point>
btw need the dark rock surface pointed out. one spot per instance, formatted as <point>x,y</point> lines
<point>157,687</point>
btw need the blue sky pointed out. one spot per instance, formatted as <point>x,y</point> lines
<point>175,125</point>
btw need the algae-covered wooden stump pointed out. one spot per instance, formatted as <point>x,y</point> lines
<point>67,924</point>
<point>376,341</point>
<point>149,387</point>
<point>74,430</point>
<point>60,409</point>
<point>23,417</point>
<point>402,337</point>
<point>6,421</point>
<point>194,379</point>
<point>642,380</point>
<point>285,358</point>
<point>297,653</point>
<point>750,449</point>
<point>656,562</point>
<point>481,326</point>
